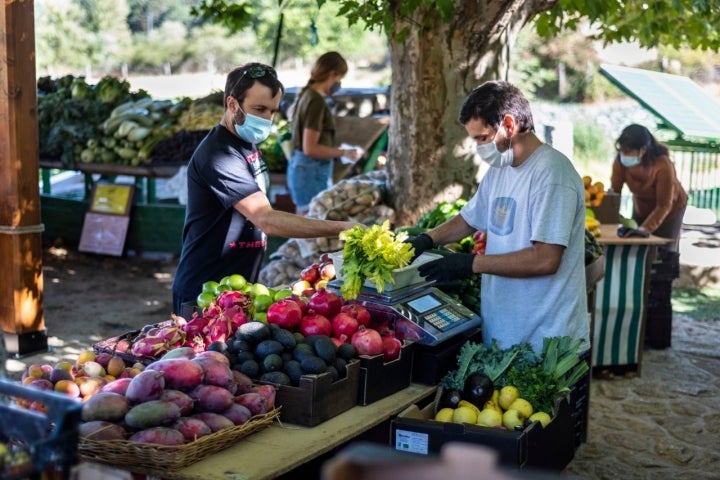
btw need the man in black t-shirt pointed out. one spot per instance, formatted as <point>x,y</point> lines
<point>228,212</point>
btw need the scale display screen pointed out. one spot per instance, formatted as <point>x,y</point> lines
<point>424,303</point>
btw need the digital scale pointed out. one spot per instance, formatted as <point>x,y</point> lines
<point>419,312</point>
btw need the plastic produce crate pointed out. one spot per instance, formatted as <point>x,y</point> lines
<point>48,440</point>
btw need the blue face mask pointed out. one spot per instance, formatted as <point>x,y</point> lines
<point>254,129</point>
<point>334,88</point>
<point>628,161</point>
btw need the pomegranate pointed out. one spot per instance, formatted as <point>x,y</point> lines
<point>285,313</point>
<point>391,348</point>
<point>344,324</point>
<point>313,323</point>
<point>367,341</point>
<point>300,301</point>
<point>361,314</point>
<point>325,303</point>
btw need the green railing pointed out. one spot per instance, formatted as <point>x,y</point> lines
<point>698,169</point>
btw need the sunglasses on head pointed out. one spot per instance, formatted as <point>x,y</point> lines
<point>255,72</point>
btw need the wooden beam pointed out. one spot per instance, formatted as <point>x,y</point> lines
<point>21,284</point>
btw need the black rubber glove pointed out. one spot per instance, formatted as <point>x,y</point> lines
<point>420,244</point>
<point>456,266</point>
<point>627,232</point>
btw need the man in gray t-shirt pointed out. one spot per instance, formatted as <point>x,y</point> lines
<point>531,206</point>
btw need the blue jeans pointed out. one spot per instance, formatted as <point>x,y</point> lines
<point>306,177</point>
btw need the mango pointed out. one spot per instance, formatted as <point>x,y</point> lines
<point>214,371</point>
<point>180,373</point>
<point>154,413</point>
<point>238,414</point>
<point>181,399</point>
<point>215,421</point>
<point>256,403</point>
<point>145,386</point>
<point>158,436</point>
<point>211,398</point>
<point>119,385</point>
<point>191,428</point>
<point>102,430</point>
<point>107,406</point>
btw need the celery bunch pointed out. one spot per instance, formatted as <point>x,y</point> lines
<point>371,253</point>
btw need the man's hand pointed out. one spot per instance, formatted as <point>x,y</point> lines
<point>420,244</point>
<point>456,266</point>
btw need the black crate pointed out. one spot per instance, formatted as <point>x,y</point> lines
<point>432,362</point>
<point>666,266</point>
<point>658,325</point>
<point>50,437</point>
<point>580,403</point>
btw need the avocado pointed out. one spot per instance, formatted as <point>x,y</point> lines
<point>266,347</point>
<point>302,350</point>
<point>294,371</point>
<point>253,332</point>
<point>312,364</point>
<point>285,337</point>
<point>346,351</point>
<point>279,378</point>
<point>272,363</point>
<point>251,368</point>
<point>325,349</point>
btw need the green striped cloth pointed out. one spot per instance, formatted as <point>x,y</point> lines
<point>620,306</point>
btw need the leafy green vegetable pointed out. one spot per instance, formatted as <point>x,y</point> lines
<point>492,361</point>
<point>373,254</point>
<point>541,379</point>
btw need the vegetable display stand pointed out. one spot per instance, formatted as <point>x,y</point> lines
<point>39,444</point>
<point>622,301</point>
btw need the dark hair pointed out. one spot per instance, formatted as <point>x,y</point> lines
<point>242,78</point>
<point>494,99</point>
<point>635,137</point>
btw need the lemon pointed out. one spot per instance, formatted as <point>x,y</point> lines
<point>522,406</point>
<point>444,415</point>
<point>542,417</point>
<point>508,394</point>
<point>465,403</point>
<point>464,415</point>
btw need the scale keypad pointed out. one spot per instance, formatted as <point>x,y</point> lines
<point>443,319</point>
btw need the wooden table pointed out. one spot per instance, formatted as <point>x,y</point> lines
<point>282,448</point>
<point>621,302</point>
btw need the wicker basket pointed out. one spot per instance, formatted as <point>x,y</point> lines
<point>163,459</point>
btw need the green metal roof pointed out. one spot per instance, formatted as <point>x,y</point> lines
<point>680,103</point>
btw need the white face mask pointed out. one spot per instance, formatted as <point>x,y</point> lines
<point>628,161</point>
<point>493,157</point>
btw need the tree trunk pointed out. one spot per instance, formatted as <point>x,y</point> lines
<point>433,69</point>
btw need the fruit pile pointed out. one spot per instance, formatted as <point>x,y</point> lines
<point>594,191</point>
<point>504,409</point>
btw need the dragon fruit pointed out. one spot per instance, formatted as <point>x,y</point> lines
<point>149,347</point>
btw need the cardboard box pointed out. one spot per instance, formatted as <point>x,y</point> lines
<point>379,379</point>
<point>318,398</point>
<point>609,209</point>
<point>550,448</point>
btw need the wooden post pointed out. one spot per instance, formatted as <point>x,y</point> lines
<point>21,281</point>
